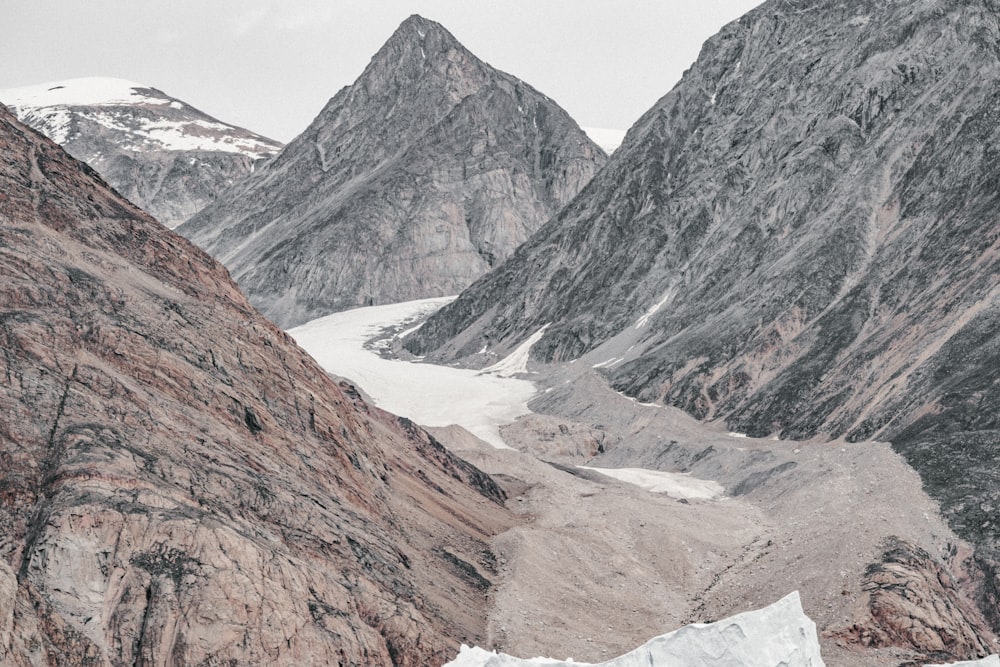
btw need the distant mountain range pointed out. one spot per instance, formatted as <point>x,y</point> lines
<point>413,181</point>
<point>161,153</point>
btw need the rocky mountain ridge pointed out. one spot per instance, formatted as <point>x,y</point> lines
<point>159,152</point>
<point>799,240</point>
<point>411,183</point>
<point>180,483</point>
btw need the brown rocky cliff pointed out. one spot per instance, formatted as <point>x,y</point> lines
<point>180,483</point>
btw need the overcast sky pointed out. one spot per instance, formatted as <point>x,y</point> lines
<point>271,65</point>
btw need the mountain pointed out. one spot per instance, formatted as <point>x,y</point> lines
<point>412,182</point>
<point>800,240</point>
<point>180,483</point>
<point>159,152</point>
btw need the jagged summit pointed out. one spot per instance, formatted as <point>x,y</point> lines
<point>163,154</point>
<point>410,183</point>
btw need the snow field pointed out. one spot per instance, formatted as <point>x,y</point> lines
<point>428,394</point>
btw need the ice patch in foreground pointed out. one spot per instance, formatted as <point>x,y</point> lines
<point>991,661</point>
<point>780,634</point>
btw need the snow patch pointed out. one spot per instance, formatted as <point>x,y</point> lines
<point>86,91</point>
<point>609,362</point>
<point>428,394</point>
<point>655,308</point>
<point>734,434</point>
<point>517,361</point>
<point>673,484</point>
<point>607,139</point>
<point>780,634</point>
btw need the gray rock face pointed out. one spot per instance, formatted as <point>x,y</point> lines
<point>800,239</point>
<point>162,154</point>
<point>180,483</point>
<point>412,182</point>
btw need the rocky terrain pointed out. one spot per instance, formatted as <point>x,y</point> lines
<point>180,483</point>
<point>799,240</point>
<point>159,152</point>
<point>412,182</point>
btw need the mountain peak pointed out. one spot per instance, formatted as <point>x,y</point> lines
<point>86,91</point>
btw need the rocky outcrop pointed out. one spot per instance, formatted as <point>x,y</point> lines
<point>412,182</point>
<point>180,483</point>
<point>159,152</point>
<point>914,602</point>
<point>800,239</point>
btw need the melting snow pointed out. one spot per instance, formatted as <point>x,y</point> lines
<point>428,394</point>
<point>655,308</point>
<point>780,634</point>
<point>517,361</point>
<point>675,485</point>
<point>607,139</point>
<point>990,661</point>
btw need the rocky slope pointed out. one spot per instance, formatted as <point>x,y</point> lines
<point>799,239</point>
<point>180,483</point>
<point>159,152</point>
<point>412,182</point>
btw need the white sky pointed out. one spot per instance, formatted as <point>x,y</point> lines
<point>271,65</point>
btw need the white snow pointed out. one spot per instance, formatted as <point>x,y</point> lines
<point>734,434</point>
<point>780,634</point>
<point>428,394</point>
<point>606,138</point>
<point>608,362</point>
<point>516,362</point>
<point>86,91</point>
<point>45,106</point>
<point>674,484</point>
<point>655,308</point>
<point>990,661</point>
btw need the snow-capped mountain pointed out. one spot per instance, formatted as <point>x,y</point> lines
<point>163,154</point>
<point>411,183</point>
<point>800,239</point>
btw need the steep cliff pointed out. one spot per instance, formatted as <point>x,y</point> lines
<point>412,182</point>
<point>799,239</point>
<point>162,154</point>
<point>180,483</point>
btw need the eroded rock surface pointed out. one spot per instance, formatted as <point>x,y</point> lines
<point>180,483</point>
<point>414,181</point>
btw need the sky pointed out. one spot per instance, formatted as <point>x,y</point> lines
<point>271,65</point>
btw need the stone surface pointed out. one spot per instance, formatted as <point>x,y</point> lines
<point>411,183</point>
<point>799,240</point>
<point>162,154</point>
<point>180,483</point>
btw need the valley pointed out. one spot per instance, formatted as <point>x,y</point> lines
<point>597,566</point>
